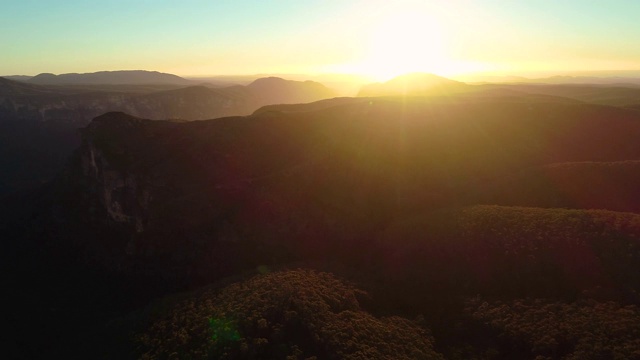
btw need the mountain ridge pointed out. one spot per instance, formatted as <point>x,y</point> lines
<point>413,84</point>
<point>109,77</point>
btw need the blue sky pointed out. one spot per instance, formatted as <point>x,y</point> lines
<point>197,37</point>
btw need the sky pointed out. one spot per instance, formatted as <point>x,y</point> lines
<point>377,38</point>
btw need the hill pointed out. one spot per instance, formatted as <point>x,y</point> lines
<point>140,77</point>
<point>414,85</point>
<point>274,90</point>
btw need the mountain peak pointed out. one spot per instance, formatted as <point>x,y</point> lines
<point>269,81</point>
<point>412,84</point>
<point>275,90</point>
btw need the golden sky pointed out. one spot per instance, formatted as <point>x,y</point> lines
<point>380,39</point>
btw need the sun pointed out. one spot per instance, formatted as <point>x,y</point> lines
<point>411,39</point>
<point>408,41</point>
<point>403,43</point>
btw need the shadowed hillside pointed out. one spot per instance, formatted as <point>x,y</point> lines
<point>315,183</point>
<point>383,191</point>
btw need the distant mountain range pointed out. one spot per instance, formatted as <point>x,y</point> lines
<point>39,122</point>
<point>588,89</point>
<point>560,79</point>
<point>414,84</point>
<point>122,77</point>
<point>616,95</point>
<point>141,98</point>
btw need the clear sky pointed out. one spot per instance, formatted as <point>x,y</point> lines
<point>381,38</point>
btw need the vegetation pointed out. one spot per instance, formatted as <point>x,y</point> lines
<point>296,314</point>
<point>542,329</point>
<point>519,251</point>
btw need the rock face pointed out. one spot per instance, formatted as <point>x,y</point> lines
<point>196,200</point>
<point>117,191</point>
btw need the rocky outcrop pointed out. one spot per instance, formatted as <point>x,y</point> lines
<point>118,192</point>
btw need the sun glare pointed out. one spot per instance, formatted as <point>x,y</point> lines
<point>404,42</point>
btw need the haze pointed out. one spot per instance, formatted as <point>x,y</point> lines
<point>379,39</point>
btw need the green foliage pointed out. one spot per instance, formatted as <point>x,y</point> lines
<point>293,314</point>
<point>552,330</point>
<point>223,330</point>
